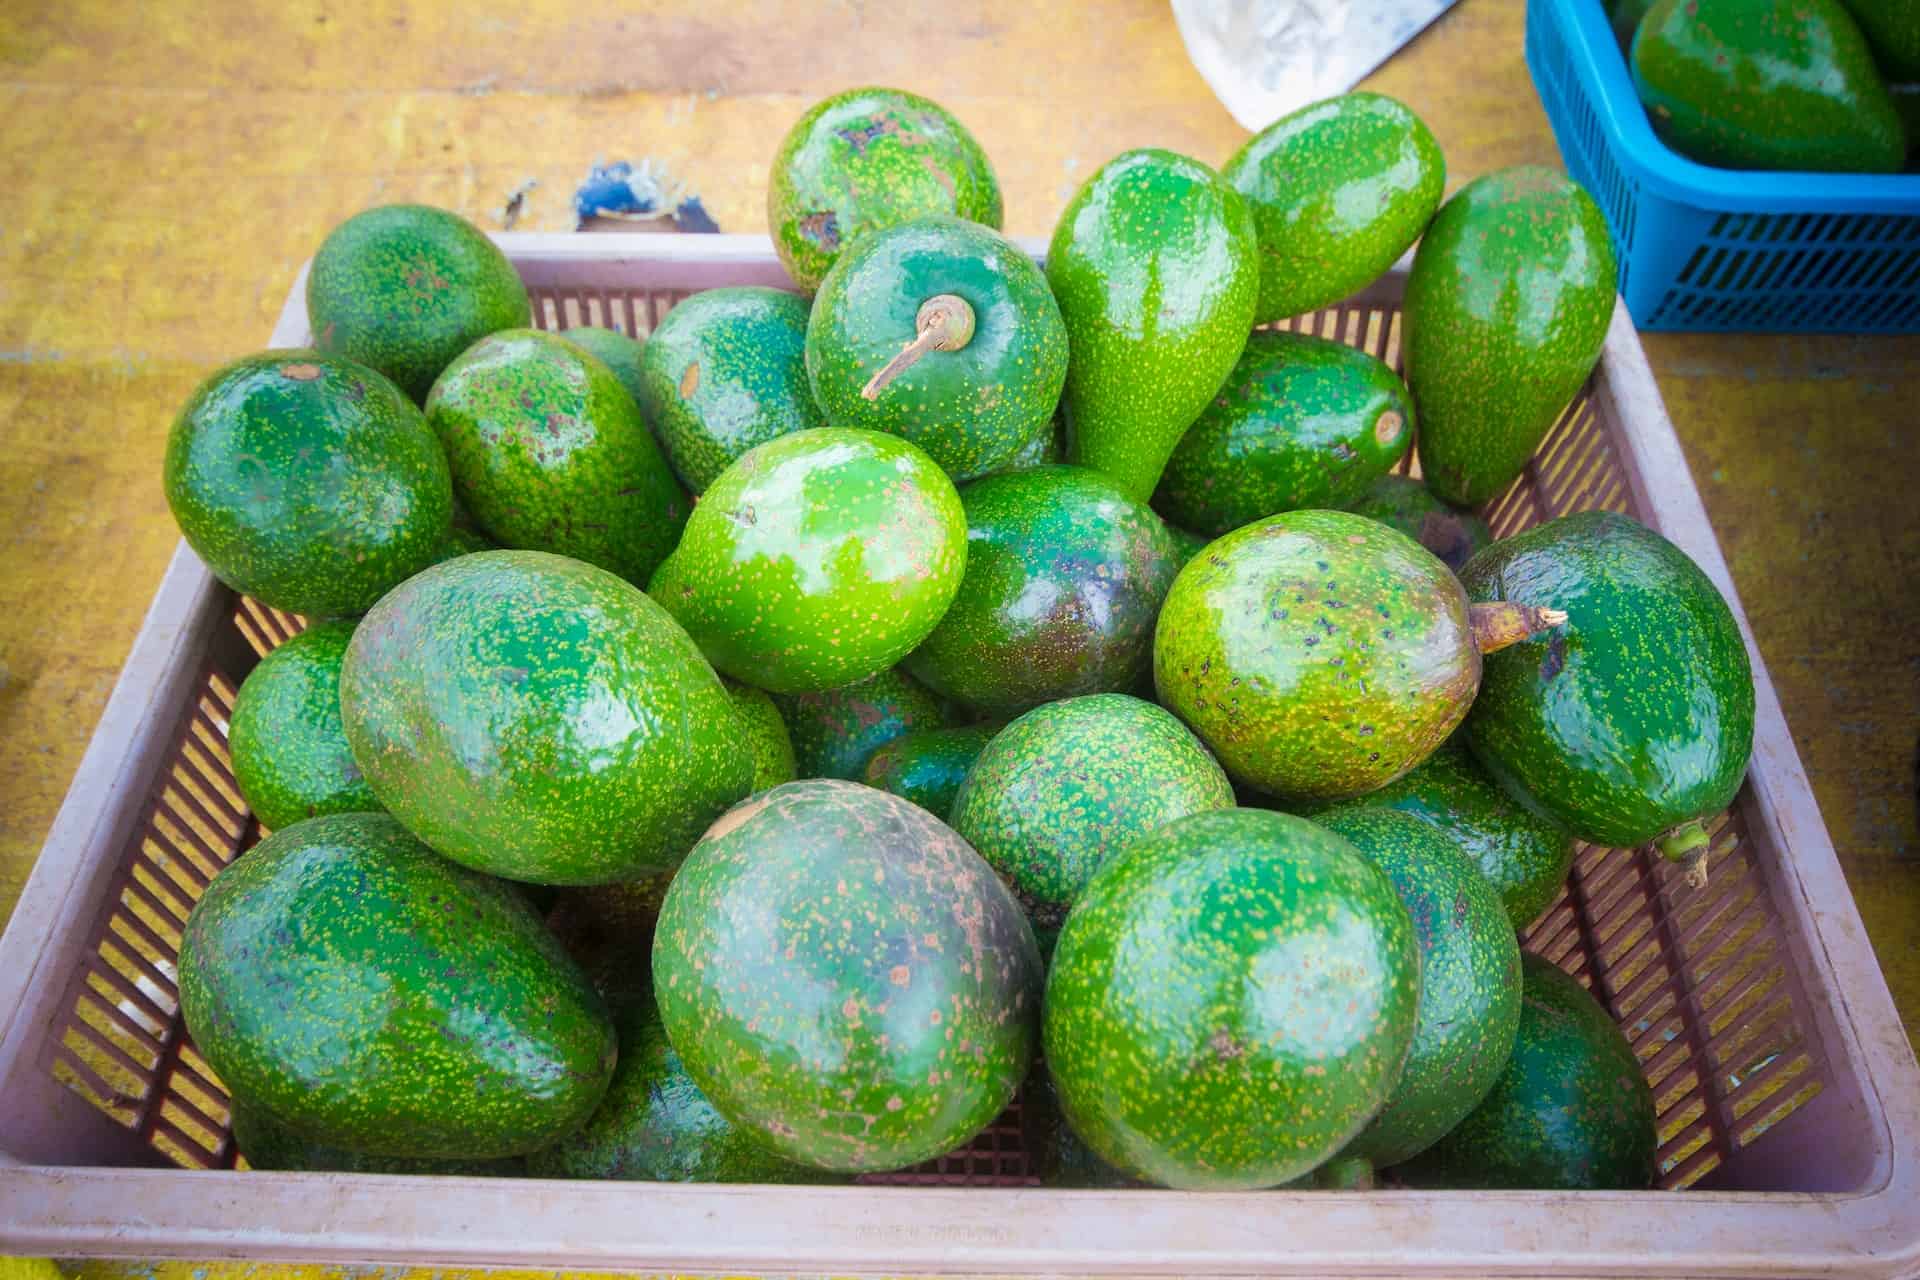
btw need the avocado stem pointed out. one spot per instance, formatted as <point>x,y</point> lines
<point>1345,1173</point>
<point>1687,844</point>
<point>945,323</point>
<point>1501,623</point>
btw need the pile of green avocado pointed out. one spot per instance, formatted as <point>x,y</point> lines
<point>783,835</point>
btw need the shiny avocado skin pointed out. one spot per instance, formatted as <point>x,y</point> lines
<point>270,1146</point>
<point>1147,357</point>
<point>387,1055</point>
<point>972,409</point>
<point>1065,576</point>
<point>613,349</point>
<point>289,749</point>
<point>307,481</point>
<point>1230,1001</point>
<point>1892,28</point>
<point>1302,421</point>
<point>1636,716</point>
<point>1339,190</point>
<point>724,371</point>
<point>550,453</point>
<point>1469,1006</point>
<point>540,719</point>
<point>1571,1111</point>
<point>835,731</point>
<point>928,766</point>
<point>1506,310</point>
<point>1525,856</point>
<point>767,736</point>
<point>1766,84</point>
<point>406,288</point>
<point>845,978</point>
<point>868,159</point>
<point>1404,503</point>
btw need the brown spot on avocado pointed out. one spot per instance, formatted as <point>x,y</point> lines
<point>300,372</point>
<point>690,381</point>
<point>821,228</point>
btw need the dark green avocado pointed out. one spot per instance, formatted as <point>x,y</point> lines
<point>1892,28</point>
<point>766,729</point>
<point>1572,1111</point>
<point>928,766</point>
<point>405,288</point>
<point>1403,503</point>
<point>834,732</point>
<point>613,349</point>
<point>268,1145</point>
<point>374,996</point>
<point>290,752</point>
<point>308,482</point>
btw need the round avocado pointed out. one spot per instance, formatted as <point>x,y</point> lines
<point>1404,503</point>
<point>615,350</point>
<point>928,765</point>
<point>289,749</point>
<point>266,1144</point>
<point>836,730</point>
<point>767,736</point>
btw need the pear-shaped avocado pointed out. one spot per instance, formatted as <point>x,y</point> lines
<point>943,332</point>
<point>1156,268</point>
<point>1507,307</point>
<point>377,997</point>
<point>1409,506</point>
<point>1767,84</point>
<point>290,752</point>
<point>613,349</point>
<point>1892,28</point>
<point>1065,575</point>
<point>835,730</point>
<point>767,736</point>
<point>1301,422</point>
<point>817,560</point>
<point>550,453</point>
<point>724,371</point>
<point>1339,190</point>
<point>868,159</point>
<point>540,719</point>
<point>307,481</point>
<point>928,765</point>
<point>1230,1000</point>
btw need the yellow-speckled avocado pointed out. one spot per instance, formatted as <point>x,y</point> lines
<point>290,752</point>
<point>835,730</point>
<point>767,735</point>
<point>374,996</point>
<point>613,349</point>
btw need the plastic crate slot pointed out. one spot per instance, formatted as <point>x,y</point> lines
<point>128,1047</point>
<point>73,1071</point>
<point>155,947</point>
<point>133,1008</point>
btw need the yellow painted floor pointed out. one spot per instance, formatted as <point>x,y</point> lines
<point>170,166</point>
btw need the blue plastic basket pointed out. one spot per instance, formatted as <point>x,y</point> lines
<point>1719,249</point>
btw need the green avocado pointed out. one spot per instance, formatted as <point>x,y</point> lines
<point>1319,654</point>
<point>865,160</point>
<point>289,749</point>
<point>540,719</point>
<point>613,349</point>
<point>724,371</point>
<point>835,730</point>
<point>307,482</point>
<point>845,978</point>
<point>1046,445</point>
<point>1469,982</point>
<point>928,765</point>
<point>1230,1001</point>
<point>1524,855</point>
<point>1892,28</point>
<point>1409,506</point>
<point>1506,310</point>
<point>405,288</point>
<point>1301,422</point>
<point>269,1145</point>
<point>817,560</point>
<point>550,453</point>
<point>1066,787</point>
<point>1187,545</point>
<point>767,736</point>
<point>1767,84</point>
<point>1065,575</point>
<point>1632,722</point>
<point>1572,1111</point>
<point>1625,16</point>
<point>372,995</point>
<point>1156,268</point>
<point>1339,190</point>
<point>462,542</point>
<point>1055,1152</point>
<point>942,332</point>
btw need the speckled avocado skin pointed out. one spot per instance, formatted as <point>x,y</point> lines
<point>1065,575</point>
<point>307,482</point>
<point>1047,445</point>
<point>613,349</point>
<point>1319,654</point>
<point>1766,84</point>
<point>868,159</point>
<point>1155,265</point>
<point>1301,422</point>
<point>1572,1110</point>
<point>928,766</point>
<point>1523,855</point>
<point>845,978</point>
<point>462,542</point>
<point>1506,310</point>
<point>1065,788</point>
<point>1637,715</point>
<point>1230,1001</point>
<point>1409,506</point>
<point>540,719</point>
<point>970,409</point>
<point>1892,28</point>
<point>290,753</point>
<point>1339,190</point>
<point>834,731</point>
<point>767,736</point>
<point>406,288</point>
<point>374,996</point>
<point>550,453</point>
<point>724,371</point>
<point>817,560</point>
<point>1188,544</point>
<point>269,1145</point>
<point>1469,982</point>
